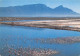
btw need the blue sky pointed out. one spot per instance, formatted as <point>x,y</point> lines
<point>72,4</point>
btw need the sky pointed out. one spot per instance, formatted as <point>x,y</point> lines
<point>72,4</point>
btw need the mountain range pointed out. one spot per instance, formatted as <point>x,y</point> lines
<point>35,10</point>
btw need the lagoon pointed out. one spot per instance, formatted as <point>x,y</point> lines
<point>18,36</point>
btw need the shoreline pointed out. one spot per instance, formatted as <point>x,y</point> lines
<point>72,25</point>
<point>36,18</point>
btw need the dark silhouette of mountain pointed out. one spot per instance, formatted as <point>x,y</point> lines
<point>35,10</point>
<point>64,11</point>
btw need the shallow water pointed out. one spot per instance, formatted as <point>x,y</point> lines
<point>17,36</point>
<point>24,20</point>
<point>19,21</point>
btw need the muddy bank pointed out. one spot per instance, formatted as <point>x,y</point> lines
<point>73,25</point>
<point>36,18</point>
<point>31,52</point>
<point>67,40</point>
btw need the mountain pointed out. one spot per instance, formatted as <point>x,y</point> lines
<point>35,10</point>
<point>64,11</point>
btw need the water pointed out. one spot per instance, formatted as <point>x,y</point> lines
<point>24,20</point>
<point>19,35</point>
<point>19,21</point>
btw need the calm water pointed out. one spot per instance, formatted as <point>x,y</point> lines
<point>19,21</point>
<point>23,20</point>
<point>19,35</point>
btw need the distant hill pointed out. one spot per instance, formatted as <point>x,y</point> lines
<point>35,10</point>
